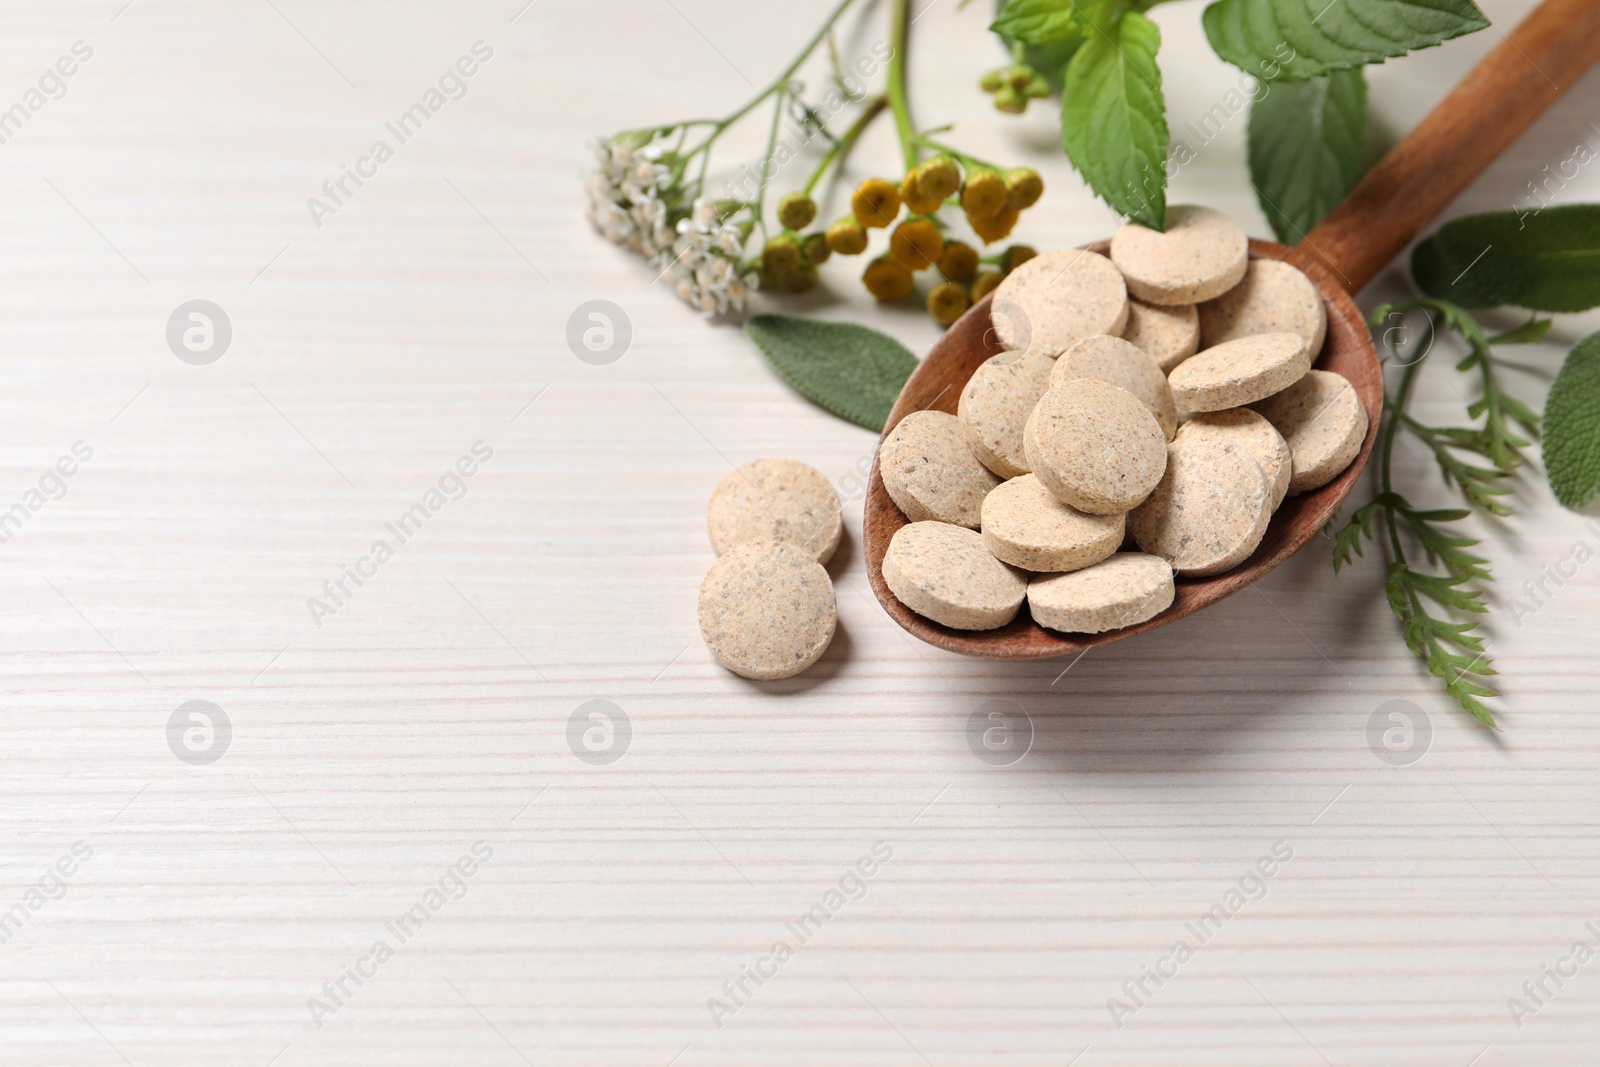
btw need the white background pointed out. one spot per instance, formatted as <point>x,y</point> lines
<point>430,712</point>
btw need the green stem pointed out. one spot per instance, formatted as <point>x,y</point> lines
<point>1397,414</point>
<point>840,149</point>
<point>900,35</point>
<point>969,160</point>
<point>777,83</point>
<point>761,182</point>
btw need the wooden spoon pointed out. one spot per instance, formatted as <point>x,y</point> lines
<point>1386,210</point>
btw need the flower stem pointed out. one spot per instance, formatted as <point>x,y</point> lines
<point>840,149</point>
<point>761,179</point>
<point>777,83</point>
<point>929,142</point>
<point>900,34</point>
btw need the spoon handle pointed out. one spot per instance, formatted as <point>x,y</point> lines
<point>1419,177</point>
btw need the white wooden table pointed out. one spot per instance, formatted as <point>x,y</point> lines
<point>209,903</point>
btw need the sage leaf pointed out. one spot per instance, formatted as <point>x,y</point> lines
<point>1113,117</point>
<point>1529,333</point>
<point>1305,148</point>
<point>1037,21</point>
<point>1572,426</point>
<point>1545,261</point>
<point>852,371</point>
<point>1299,39</point>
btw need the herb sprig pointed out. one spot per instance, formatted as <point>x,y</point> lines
<point>1451,650</point>
<point>1497,259</point>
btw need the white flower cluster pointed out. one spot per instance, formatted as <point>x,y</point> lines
<point>636,201</point>
<point>704,268</point>
<point>632,196</point>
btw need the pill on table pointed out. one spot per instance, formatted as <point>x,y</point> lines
<point>1210,510</point>
<point>1026,526</point>
<point>1095,446</point>
<point>1201,254</point>
<point>775,500</point>
<point>1324,422</point>
<point>1169,335</point>
<point>945,573</point>
<point>1273,298</point>
<point>1240,372</point>
<point>1124,365</point>
<point>1056,299</point>
<point>1124,590</point>
<point>767,610</point>
<point>930,470</point>
<point>1256,435</point>
<point>995,406</point>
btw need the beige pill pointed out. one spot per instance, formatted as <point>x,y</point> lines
<point>1202,254</point>
<point>930,471</point>
<point>1124,590</point>
<point>1273,298</point>
<point>1256,435</point>
<point>1210,510</point>
<point>945,573</point>
<point>1095,446</point>
<point>1240,372</point>
<point>1324,422</point>
<point>775,500</point>
<point>1056,299</point>
<point>767,610</point>
<point>1169,335</point>
<point>995,406</point>
<point>1026,526</point>
<point>1124,365</point>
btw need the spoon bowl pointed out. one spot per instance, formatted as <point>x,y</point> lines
<point>937,383</point>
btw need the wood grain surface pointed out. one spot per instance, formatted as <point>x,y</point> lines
<point>609,907</point>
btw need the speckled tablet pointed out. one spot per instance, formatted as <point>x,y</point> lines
<point>1026,526</point>
<point>1239,372</point>
<point>1257,436</point>
<point>1124,590</point>
<point>930,470</point>
<point>945,573</point>
<point>1124,365</point>
<point>1210,510</point>
<point>995,406</point>
<point>1274,297</point>
<point>767,610</point>
<point>1324,422</point>
<point>1169,335</point>
<point>1095,446</point>
<point>775,500</point>
<point>1201,254</point>
<point>1056,299</point>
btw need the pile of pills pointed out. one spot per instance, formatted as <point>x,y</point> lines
<point>1161,398</point>
<point>767,608</point>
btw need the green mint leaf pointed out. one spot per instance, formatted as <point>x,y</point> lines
<point>1572,426</point>
<point>1305,148</point>
<point>1037,21</point>
<point>1113,117</point>
<point>850,370</point>
<point>1546,261</point>
<point>1299,39</point>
